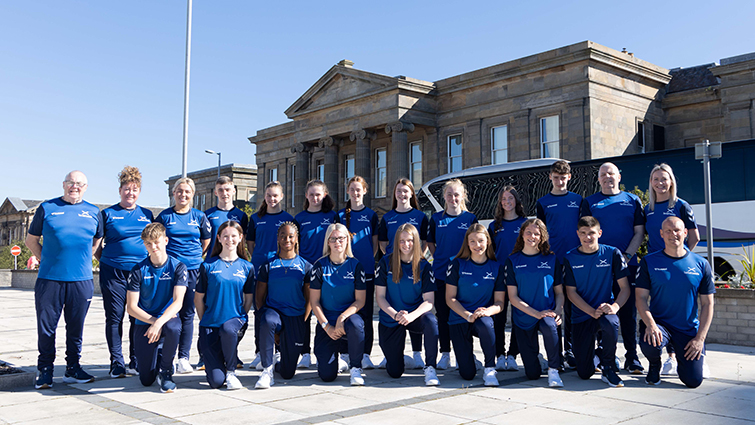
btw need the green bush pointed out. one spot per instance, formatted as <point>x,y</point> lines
<point>6,258</point>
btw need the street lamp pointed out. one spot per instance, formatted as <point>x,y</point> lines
<point>211,152</point>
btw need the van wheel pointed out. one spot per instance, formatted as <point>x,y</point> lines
<point>723,269</point>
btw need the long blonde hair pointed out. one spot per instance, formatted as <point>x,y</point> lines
<point>464,199</point>
<point>672,189</point>
<point>341,228</point>
<point>416,253</point>
<point>466,253</point>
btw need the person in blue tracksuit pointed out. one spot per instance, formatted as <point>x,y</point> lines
<point>475,291</point>
<point>444,240</point>
<point>156,288</point>
<point>336,294</point>
<point>313,222</point>
<point>223,298</point>
<point>225,192</point>
<point>362,222</point>
<point>189,235</point>
<point>533,281</point>
<point>623,222</point>
<point>71,228</point>
<point>405,285</point>
<point>261,241</point>
<point>589,273</point>
<point>669,284</point>
<point>405,209</point>
<point>283,302</point>
<point>504,230</point>
<point>123,249</point>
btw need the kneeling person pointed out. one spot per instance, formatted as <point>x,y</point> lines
<point>156,289</point>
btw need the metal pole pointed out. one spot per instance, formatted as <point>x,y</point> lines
<point>15,262</point>
<point>218,164</point>
<point>185,163</point>
<point>708,201</point>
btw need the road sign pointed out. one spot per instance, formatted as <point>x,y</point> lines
<point>16,250</point>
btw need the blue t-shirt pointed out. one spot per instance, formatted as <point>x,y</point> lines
<point>404,295</point>
<point>593,276</point>
<point>337,283</point>
<point>216,217</point>
<point>263,231</point>
<point>124,247</point>
<point>68,232</point>
<point>312,228</point>
<point>224,285</point>
<point>617,214</point>
<point>391,221</point>
<point>661,212</point>
<point>561,213</point>
<point>504,238</point>
<point>363,226</point>
<point>475,285</point>
<point>285,280</point>
<point>185,235</point>
<point>155,284</point>
<point>534,277</point>
<point>674,284</point>
<point>447,233</point>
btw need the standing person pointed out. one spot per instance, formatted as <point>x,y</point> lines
<point>475,291</point>
<point>623,224</point>
<point>189,235</point>
<point>223,298</point>
<point>261,241</point>
<point>72,229</point>
<point>283,302</point>
<point>405,286</point>
<point>313,222</point>
<point>504,230</point>
<point>560,211</point>
<point>225,191</point>
<point>589,273</point>
<point>156,288</point>
<point>405,209</point>
<point>362,223</point>
<point>533,280</point>
<point>123,249</point>
<point>444,240</point>
<point>336,294</point>
<point>673,279</point>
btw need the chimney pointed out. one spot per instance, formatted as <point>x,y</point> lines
<point>347,63</point>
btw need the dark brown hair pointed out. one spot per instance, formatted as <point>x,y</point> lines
<point>588,221</point>
<point>327,202</point>
<point>347,211</point>
<point>466,253</point>
<point>218,247</point>
<point>499,212</point>
<point>296,231</point>
<point>413,200</point>
<point>560,167</point>
<point>263,206</point>
<point>130,175</point>
<point>544,247</point>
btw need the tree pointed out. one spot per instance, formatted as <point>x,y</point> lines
<point>6,258</point>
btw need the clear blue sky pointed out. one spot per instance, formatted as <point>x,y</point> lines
<point>96,85</point>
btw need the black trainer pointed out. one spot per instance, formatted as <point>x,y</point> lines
<point>165,381</point>
<point>569,360</point>
<point>77,375</point>
<point>654,374</point>
<point>611,378</point>
<point>634,367</point>
<point>44,379</point>
<point>117,370</point>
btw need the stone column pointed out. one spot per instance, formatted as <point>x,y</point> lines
<point>301,174</point>
<point>363,138</point>
<point>399,158</point>
<point>331,145</point>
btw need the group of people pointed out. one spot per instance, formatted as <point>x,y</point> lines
<point>574,265</point>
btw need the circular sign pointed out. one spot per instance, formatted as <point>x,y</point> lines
<point>16,250</point>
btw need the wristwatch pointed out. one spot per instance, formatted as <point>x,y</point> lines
<point>324,324</point>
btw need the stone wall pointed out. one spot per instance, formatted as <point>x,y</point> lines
<point>25,279</point>
<point>733,317</point>
<point>5,278</point>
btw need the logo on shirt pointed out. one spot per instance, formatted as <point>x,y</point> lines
<point>692,271</point>
<point>240,273</point>
<point>516,231</point>
<point>325,222</point>
<point>165,276</point>
<point>544,265</point>
<point>603,263</point>
<point>118,218</point>
<point>626,203</point>
<point>413,221</point>
<point>466,273</point>
<point>143,219</point>
<point>261,223</point>
<point>572,204</point>
<point>489,276</point>
<point>669,212</point>
<point>304,224</point>
<point>58,213</point>
<point>599,204</point>
<point>658,269</point>
<point>349,275</point>
<point>236,219</point>
<point>85,214</point>
<point>364,219</point>
<point>578,267</point>
<point>193,222</point>
<point>463,226</point>
<point>297,267</point>
<point>215,272</point>
<point>551,206</point>
<point>520,266</point>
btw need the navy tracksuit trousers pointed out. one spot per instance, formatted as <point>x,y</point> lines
<point>219,349</point>
<point>393,339</point>
<point>461,336</point>
<point>292,331</point>
<point>149,358</point>
<point>584,336</point>
<point>327,349</point>
<point>529,347</point>
<point>186,314</point>
<point>690,371</point>
<point>113,287</point>
<point>499,323</point>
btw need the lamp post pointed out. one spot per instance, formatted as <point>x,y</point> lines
<point>211,152</point>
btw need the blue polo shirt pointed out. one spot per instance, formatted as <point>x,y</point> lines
<point>404,295</point>
<point>185,235</point>
<point>504,236</point>
<point>263,231</point>
<point>617,214</point>
<point>661,212</point>
<point>337,283</point>
<point>68,232</point>
<point>391,221</point>
<point>561,213</point>
<point>363,226</point>
<point>447,233</point>
<point>674,284</point>
<point>534,277</point>
<point>224,285</point>
<point>216,217</point>
<point>124,247</point>
<point>593,276</point>
<point>312,228</point>
<point>155,284</point>
<point>475,285</point>
<point>285,280</point>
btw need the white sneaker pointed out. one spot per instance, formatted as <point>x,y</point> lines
<point>343,363</point>
<point>596,362</point>
<point>266,380</point>
<point>500,364</point>
<point>477,363</point>
<point>418,362</point>
<point>408,362</point>
<point>356,377</point>
<point>511,364</point>
<point>669,366</point>
<point>305,362</point>
<point>444,362</point>
<point>367,362</point>
<point>543,362</point>
<point>431,378</point>
<point>256,362</point>
<point>554,380</point>
<point>232,381</point>
<point>382,364</point>
<point>488,377</point>
<point>706,368</point>
<point>183,366</point>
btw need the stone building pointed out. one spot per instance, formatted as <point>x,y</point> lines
<point>577,102</point>
<point>15,217</point>
<point>244,178</point>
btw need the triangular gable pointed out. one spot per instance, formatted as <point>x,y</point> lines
<point>12,206</point>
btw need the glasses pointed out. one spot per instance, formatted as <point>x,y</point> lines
<point>74,184</point>
<point>340,239</point>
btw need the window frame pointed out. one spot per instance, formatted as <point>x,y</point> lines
<point>346,177</point>
<point>493,150</point>
<point>543,134</point>
<point>461,150</point>
<point>376,170</point>
<point>412,162</point>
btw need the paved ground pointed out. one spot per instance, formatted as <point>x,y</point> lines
<point>727,398</point>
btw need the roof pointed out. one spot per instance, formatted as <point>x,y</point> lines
<point>695,77</point>
<point>22,204</point>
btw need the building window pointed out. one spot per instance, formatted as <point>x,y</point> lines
<point>641,136</point>
<point>454,153</point>
<point>659,138</point>
<point>320,168</point>
<point>203,199</point>
<point>272,175</point>
<point>348,168</point>
<point>549,137</point>
<point>499,141</point>
<point>293,185</point>
<point>380,173</point>
<point>415,150</point>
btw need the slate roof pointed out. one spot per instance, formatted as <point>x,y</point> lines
<point>695,77</point>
